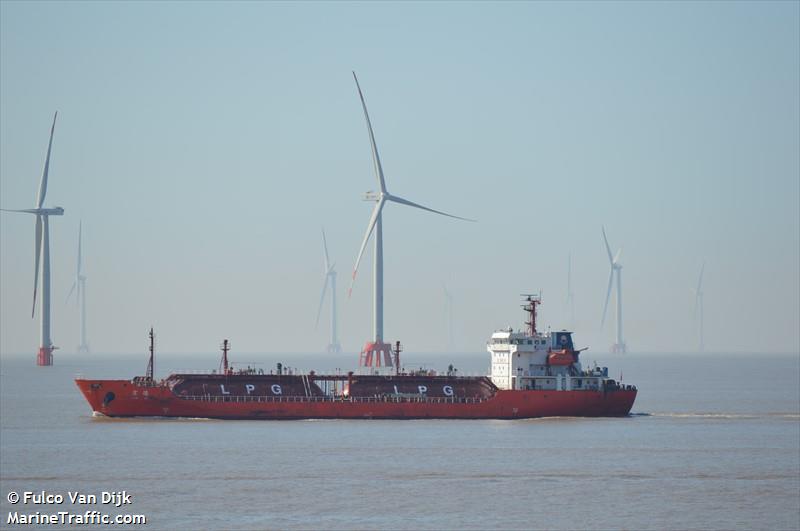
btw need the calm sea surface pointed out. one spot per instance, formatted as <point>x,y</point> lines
<point>713,443</point>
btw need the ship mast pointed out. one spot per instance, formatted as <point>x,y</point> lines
<point>397,351</point>
<point>531,302</point>
<point>224,363</point>
<point>150,364</point>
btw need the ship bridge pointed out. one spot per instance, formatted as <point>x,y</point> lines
<point>517,358</point>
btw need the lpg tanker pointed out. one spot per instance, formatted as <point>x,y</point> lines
<point>532,374</point>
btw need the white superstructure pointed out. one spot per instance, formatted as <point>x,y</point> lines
<point>533,360</point>
<point>517,357</point>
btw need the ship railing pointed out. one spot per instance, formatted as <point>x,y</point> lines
<point>340,399</point>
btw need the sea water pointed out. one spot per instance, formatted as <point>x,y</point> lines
<point>713,442</point>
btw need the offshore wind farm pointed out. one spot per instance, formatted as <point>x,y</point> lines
<point>428,125</point>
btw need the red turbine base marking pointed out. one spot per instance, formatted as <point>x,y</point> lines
<point>45,357</point>
<point>375,352</point>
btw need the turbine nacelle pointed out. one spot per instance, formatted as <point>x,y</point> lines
<point>615,261</point>
<point>612,259</point>
<point>372,196</point>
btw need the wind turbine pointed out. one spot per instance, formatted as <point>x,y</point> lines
<point>376,349</point>
<point>42,245</point>
<point>570,294</point>
<point>80,296</point>
<point>448,300</point>
<point>698,308</point>
<point>330,280</point>
<point>616,267</point>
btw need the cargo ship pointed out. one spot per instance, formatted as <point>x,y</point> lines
<point>532,374</point>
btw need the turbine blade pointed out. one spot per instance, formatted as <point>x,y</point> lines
<point>608,248</point>
<point>26,210</point>
<point>608,296</point>
<point>36,262</point>
<point>322,298</point>
<point>325,249</point>
<point>372,220</point>
<point>376,160</point>
<point>43,182</point>
<point>70,292</point>
<point>700,280</point>
<point>616,256</point>
<point>402,201</point>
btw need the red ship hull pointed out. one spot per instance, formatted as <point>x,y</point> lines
<point>122,398</point>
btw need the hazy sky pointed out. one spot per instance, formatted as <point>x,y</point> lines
<point>204,145</point>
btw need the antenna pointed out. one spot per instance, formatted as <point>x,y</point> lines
<point>151,364</point>
<point>531,302</point>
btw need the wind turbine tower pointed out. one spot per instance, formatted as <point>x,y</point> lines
<point>616,271</point>
<point>448,308</point>
<point>330,281</point>
<point>42,255</point>
<point>376,350</point>
<point>80,296</point>
<point>570,294</point>
<point>698,309</point>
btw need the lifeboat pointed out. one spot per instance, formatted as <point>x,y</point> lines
<point>561,357</point>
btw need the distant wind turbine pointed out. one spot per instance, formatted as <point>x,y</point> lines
<point>698,309</point>
<point>42,245</point>
<point>616,267</point>
<point>376,349</point>
<point>570,294</point>
<point>80,296</point>
<point>330,281</point>
<point>448,308</point>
